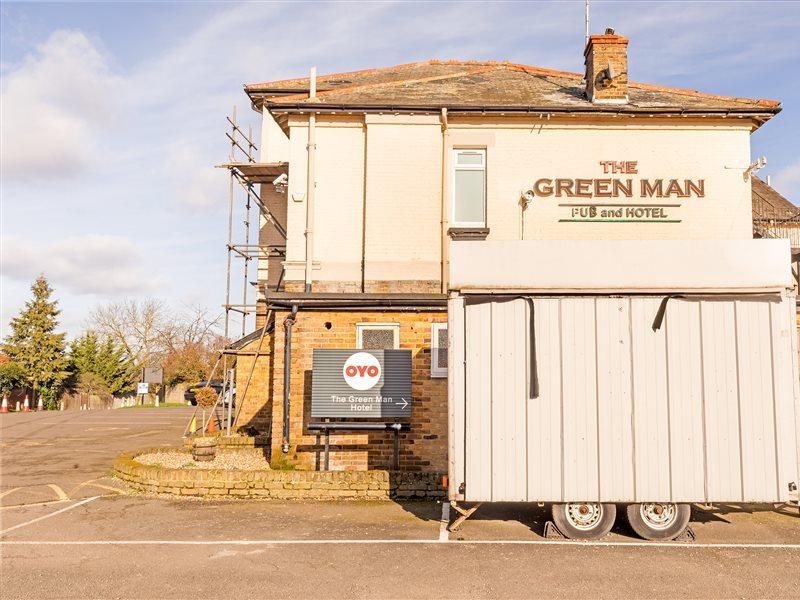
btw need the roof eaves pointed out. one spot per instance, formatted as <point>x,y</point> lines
<point>510,109</point>
<point>765,103</point>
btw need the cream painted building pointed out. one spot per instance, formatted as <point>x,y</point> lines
<point>406,159</point>
<point>391,173</point>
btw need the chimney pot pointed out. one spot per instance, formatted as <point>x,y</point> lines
<point>607,68</point>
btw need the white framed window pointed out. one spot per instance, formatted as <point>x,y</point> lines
<point>469,188</point>
<point>377,336</point>
<point>439,349</point>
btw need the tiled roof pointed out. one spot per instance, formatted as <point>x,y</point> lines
<point>768,204</point>
<point>487,85</point>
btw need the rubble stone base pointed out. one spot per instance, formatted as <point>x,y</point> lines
<point>276,484</point>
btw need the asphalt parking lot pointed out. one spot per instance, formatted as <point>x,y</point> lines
<point>101,542</point>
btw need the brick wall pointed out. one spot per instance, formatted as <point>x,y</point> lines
<point>423,448</point>
<point>256,397</point>
<point>602,51</point>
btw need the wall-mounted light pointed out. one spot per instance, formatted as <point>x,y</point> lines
<point>525,198</point>
<point>280,183</point>
<point>756,166</point>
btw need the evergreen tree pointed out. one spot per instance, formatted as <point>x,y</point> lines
<point>34,345</point>
<point>90,355</point>
<point>11,376</point>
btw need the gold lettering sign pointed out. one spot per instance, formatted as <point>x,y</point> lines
<point>619,187</point>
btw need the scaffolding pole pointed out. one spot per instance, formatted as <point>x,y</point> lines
<point>245,173</point>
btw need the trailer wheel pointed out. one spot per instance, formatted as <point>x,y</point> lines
<point>658,520</point>
<point>584,520</point>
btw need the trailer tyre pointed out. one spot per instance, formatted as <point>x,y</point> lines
<point>584,520</point>
<point>658,520</point>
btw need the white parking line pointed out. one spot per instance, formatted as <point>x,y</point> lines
<point>47,516</point>
<point>444,535</point>
<point>685,546</point>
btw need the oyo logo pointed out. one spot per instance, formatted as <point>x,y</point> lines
<point>361,371</point>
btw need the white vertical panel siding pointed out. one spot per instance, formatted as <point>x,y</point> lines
<point>721,396</point>
<point>685,385</point>
<point>790,310</point>
<point>479,402</point>
<point>509,402</point>
<point>703,409</point>
<point>757,419</point>
<point>579,398</point>
<point>544,412</point>
<point>456,394</point>
<point>785,379</point>
<point>651,404</point>
<point>614,394</point>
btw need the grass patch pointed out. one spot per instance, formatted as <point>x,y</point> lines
<point>281,462</point>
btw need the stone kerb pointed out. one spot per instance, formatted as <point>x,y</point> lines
<point>276,484</point>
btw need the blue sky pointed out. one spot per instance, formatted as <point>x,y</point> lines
<point>113,115</point>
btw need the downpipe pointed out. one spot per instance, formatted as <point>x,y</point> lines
<point>288,323</point>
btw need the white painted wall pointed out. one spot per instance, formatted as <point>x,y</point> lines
<point>395,164</point>
<point>274,142</point>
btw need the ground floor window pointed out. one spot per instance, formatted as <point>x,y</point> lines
<point>438,349</point>
<point>377,336</point>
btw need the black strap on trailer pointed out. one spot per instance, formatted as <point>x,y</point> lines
<point>533,379</point>
<point>662,310</point>
<point>662,307</point>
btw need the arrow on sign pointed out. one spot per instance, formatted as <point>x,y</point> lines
<point>404,403</point>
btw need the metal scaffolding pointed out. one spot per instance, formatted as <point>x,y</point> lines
<point>246,174</point>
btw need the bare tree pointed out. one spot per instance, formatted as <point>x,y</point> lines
<point>184,342</point>
<point>138,326</point>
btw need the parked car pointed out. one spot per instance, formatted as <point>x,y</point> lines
<point>216,385</point>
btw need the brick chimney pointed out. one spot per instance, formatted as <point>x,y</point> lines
<point>607,68</point>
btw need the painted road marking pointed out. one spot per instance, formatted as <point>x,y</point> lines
<point>141,433</point>
<point>444,535</point>
<point>579,544</point>
<point>104,428</point>
<point>60,494</point>
<point>47,516</point>
<point>45,503</point>
<point>92,483</point>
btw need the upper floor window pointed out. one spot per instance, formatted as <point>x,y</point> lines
<point>469,188</point>
<point>377,336</point>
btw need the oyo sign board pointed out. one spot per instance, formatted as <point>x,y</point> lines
<point>361,383</point>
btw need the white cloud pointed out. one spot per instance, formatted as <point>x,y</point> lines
<point>194,181</point>
<point>89,264</point>
<point>54,102</point>
<point>787,182</point>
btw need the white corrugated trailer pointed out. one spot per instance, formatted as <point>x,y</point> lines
<point>653,374</point>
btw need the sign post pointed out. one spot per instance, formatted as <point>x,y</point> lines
<point>142,389</point>
<point>154,375</point>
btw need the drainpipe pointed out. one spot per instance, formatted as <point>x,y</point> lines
<point>311,183</point>
<point>288,322</point>
<point>445,246</point>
